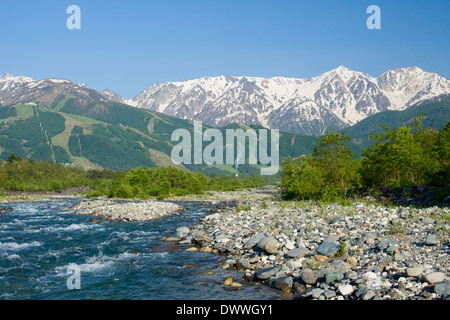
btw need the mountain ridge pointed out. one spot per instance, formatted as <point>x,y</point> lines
<point>335,99</point>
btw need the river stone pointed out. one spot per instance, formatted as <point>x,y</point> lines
<point>434,277</point>
<point>332,277</point>
<point>316,293</point>
<point>254,240</point>
<point>427,221</point>
<point>328,248</point>
<point>442,287</point>
<point>271,245</point>
<point>415,271</point>
<point>362,290</point>
<point>294,264</point>
<point>431,240</point>
<point>181,232</point>
<point>261,243</point>
<point>340,266</point>
<point>386,245</point>
<point>297,252</point>
<point>337,220</point>
<point>266,273</point>
<point>309,276</point>
<point>391,249</point>
<point>243,263</point>
<point>368,295</point>
<point>268,244</point>
<point>212,216</point>
<point>283,283</point>
<point>345,289</point>
<point>199,238</point>
<point>289,245</point>
<point>410,263</point>
<point>328,294</point>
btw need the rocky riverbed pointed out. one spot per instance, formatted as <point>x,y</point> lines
<point>131,211</point>
<point>330,252</point>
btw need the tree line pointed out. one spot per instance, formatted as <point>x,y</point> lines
<point>27,175</point>
<point>399,157</point>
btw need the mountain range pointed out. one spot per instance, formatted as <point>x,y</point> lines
<point>59,120</point>
<point>336,99</point>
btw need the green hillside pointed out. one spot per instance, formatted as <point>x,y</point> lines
<point>102,134</point>
<point>435,116</point>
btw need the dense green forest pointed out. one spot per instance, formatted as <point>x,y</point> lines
<point>400,157</point>
<point>18,174</point>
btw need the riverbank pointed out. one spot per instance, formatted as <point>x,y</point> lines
<point>362,251</point>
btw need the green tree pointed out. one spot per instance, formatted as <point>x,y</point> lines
<point>401,157</point>
<point>301,178</point>
<point>334,158</point>
<point>442,176</point>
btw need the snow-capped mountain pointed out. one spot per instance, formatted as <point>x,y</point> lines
<point>20,89</point>
<point>335,99</point>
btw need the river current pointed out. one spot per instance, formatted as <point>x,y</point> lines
<point>41,244</point>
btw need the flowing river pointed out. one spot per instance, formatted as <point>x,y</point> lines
<point>40,243</point>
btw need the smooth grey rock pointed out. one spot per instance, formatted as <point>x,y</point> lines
<point>337,220</point>
<point>199,238</point>
<point>328,294</point>
<point>442,288</point>
<point>340,265</point>
<point>271,245</point>
<point>212,216</point>
<point>369,235</point>
<point>316,293</point>
<point>391,249</point>
<point>309,276</point>
<point>333,277</point>
<point>266,273</point>
<point>431,240</point>
<point>181,232</point>
<point>254,240</point>
<point>328,248</point>
<point>361,291</point>
<point>415,271</point>
<point>297,252</point>
<point>427,221</point>
<point>243,263</point>
<point>386,245</point>
<point>332,238</point>
<point>345,289</point>
<point>433,277</point>
<point>410,263</point>
<point>368,295</point>
<point>283,283</point>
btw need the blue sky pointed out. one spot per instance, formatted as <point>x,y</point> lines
<point>127,46</point>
